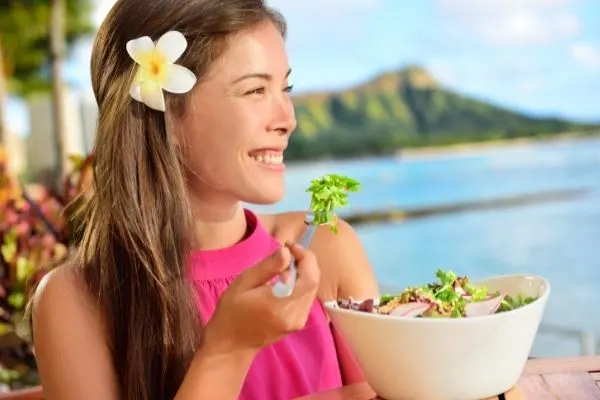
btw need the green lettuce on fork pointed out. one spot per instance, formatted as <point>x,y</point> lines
<point>450,296</point>
<point>328,193</point>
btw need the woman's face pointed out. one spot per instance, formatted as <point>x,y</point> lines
<point>240,120</point>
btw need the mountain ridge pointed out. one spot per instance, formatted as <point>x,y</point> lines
<point>407,107</point>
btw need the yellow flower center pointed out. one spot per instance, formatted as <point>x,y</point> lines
<point>155,68</point>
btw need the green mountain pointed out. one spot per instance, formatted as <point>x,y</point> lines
<point>405,108</point>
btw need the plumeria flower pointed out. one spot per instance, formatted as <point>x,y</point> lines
<point>157,70</point>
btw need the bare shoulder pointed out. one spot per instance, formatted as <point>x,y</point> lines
<point>54,282</point>
<point>61,290</point>
<point>286,226</point>
<point>70,339</point>
<point>345,267</point>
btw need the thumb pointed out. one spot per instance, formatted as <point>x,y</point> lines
<point>266,269</point>
<point>299,252</point>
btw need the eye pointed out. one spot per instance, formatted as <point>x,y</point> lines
<point>259,90</point>
<point>289,89</point>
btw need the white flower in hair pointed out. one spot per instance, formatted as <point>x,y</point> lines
<point>157,70</point>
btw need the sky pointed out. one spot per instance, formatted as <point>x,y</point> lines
<point>541,57</point>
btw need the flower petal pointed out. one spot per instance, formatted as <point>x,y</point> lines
<point>141,50</point>
<point>178,79</point>
<point>143,74</point>
<point>140,76</point>
<point>171,45</point>
<point>136,92</point>
<point>152,95</point>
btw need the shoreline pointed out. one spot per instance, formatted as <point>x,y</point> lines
<point>471,148</point>
<point>456,150</point>
<point>397,214</point>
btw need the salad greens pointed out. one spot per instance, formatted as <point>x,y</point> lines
<point>449,296</point>
<point>328,193</point>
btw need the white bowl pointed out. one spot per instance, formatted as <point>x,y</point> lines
<point>467,358</point>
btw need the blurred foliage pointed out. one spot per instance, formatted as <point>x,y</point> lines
<point>25,38</point>
<point>36,232</point>
<point>405,108</point>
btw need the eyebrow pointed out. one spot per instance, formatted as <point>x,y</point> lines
<point>260,75</point>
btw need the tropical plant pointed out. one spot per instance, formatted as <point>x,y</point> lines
<point>36,233</point>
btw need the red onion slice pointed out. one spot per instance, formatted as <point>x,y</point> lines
<point>484,307</point>
<point>412,309</point>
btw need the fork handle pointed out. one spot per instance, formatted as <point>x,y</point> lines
<point>281,289</point>
<point>308,236</point>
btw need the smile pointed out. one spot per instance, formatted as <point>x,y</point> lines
<point>268,157</point>
<point>272,159</point>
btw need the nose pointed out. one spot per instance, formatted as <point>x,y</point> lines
<point>283,118</point>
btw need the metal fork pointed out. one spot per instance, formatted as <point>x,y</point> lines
<point>281,289</point>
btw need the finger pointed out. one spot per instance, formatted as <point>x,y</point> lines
<point>284,276</point>
<point>290,313</point>
<point>309,273</point>
<point>298,252</point>
<point>264,272</point>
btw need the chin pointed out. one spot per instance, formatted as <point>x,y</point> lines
<point>264,199</point>
<point>265,195</point>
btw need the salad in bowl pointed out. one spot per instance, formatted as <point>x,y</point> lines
<point>450,296</point>
<point>448,339</point>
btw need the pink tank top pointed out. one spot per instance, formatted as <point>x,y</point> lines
<point>304,362</point>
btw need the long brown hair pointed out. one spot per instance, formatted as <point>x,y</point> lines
<point>138,219</point>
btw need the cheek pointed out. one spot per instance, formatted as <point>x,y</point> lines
<point>217,144</point>
<point>214,157</point>
<point>206,155</point>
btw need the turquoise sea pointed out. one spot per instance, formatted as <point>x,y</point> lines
<point>557,240</point>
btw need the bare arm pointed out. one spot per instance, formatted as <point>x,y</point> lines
<point>349,274</point>
<point>74,359</point>
<point>72,355</point>
<point>215,374</point>
<point>344,263</point>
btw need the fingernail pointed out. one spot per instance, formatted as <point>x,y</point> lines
<point>297,246</point>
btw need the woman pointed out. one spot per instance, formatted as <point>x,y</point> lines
<point>169,295</point>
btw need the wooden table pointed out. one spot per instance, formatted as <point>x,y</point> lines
<point>576,378</point>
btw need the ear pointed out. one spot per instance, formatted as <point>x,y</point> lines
<point>173,125</point>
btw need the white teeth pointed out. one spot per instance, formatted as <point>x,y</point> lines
<point>268,158</point>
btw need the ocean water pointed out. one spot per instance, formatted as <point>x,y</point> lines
<point>558,240</point>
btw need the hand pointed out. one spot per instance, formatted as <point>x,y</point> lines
<point>249,317</point>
